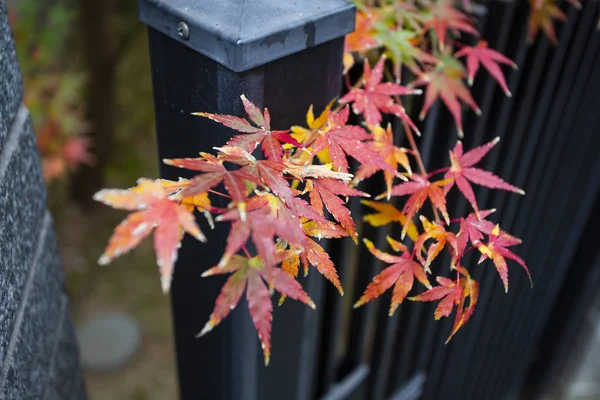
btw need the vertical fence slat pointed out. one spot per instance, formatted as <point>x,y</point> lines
<point>476,136</point>
<point>587,88</point>
<point>434,330</point>
<point>527,210</point>
<point>339,308</point>
<point>503,168</point>
<point>589,180</point>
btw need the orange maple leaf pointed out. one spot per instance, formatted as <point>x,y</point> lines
<point>420,188</point>
<point>400,274</point>
<point>154,209</point>
<point>251,274</point>
<point>453,293</point>
<point>496,250</point>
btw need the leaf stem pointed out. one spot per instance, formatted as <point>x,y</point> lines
<point>357,84</point>
<point>347,81</point>
<point>246,251</point>
<point>413,145</point>
<point>437,171</point>
<point>219,193</point>
<point>415,149</point>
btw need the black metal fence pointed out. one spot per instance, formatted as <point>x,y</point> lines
<point>287,55</point>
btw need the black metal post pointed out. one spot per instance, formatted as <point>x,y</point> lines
<point>284,55</point>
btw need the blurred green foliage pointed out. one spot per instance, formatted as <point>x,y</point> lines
<point>50,52</point>
<point>53,82</point>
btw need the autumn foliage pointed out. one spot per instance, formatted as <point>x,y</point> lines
<point>288,189</point>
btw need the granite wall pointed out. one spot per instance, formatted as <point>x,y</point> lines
<point>38,349</point>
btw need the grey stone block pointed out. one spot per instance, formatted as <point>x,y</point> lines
<point>40,314</point>
<point>65,380</point>
<point>38,349</point>
<point>11,84</point>
<point>22,198</point>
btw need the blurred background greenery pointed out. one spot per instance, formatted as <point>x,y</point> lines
<point>87,84</point>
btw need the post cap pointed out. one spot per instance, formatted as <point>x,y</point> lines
<point>243,34</point>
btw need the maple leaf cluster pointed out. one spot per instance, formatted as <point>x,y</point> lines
<point>287,189</point>
<point>469,234</point>
<point>280,206</point>
<point>427,38</point>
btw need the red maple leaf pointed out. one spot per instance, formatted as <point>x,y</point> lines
<point>446,83</point>
<point>251,274</point>
<point>268,172</point>
<point>496,250</point>
<point>271,174</point>
<point>490,59</point>
<point>444,17</point>
<point>401,274</point>
<point>155,209</point>
<point>261,222</point>
<point>383,144</point>
<point>419,189</point>
<point>473,227</point>
<point>453,293</point>
<point>341,139</point>
<point>213,174</point>
<point>270,140</point>
<point>462,172</point>
<point>449,292</point>
<point>326,191</point>
<point>376,97</point>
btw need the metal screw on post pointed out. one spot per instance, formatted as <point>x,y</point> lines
<point>282,55</point>
<point>183,30</point>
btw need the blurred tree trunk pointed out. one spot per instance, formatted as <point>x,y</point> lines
<point>101,63</point>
